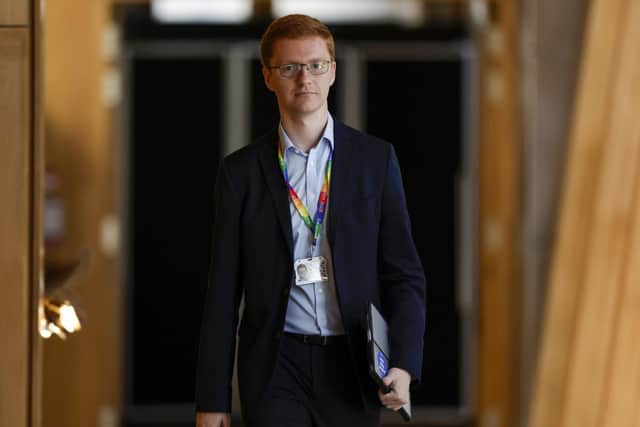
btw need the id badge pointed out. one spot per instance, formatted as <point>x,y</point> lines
<point>311,270</point>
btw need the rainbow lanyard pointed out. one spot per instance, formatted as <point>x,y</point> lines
<point>316,224</point>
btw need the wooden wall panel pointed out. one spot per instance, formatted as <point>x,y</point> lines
<point>14,12</point>
<point>37,217</point>
<point>15,247</point>
<point>86,368</point>
<point>552,39</point>
<point>591,310</point>
<point>609,237</point>
<point>621,402</point>
<point>575,219</point>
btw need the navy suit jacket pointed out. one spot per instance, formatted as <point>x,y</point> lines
<point>374,260</point>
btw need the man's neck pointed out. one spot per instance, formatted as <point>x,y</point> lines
<point>305,132</point>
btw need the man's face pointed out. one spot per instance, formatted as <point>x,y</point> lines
<point>304,93</point>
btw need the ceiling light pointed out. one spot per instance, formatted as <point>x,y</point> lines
<point>183,11</point>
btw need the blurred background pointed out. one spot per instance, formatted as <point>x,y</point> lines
<point>515,125</point>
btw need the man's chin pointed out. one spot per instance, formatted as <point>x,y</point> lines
<point>305,109</point>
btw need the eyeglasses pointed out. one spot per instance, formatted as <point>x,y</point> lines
<point>291,70</point>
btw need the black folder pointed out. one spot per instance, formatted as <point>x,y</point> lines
<point>379,354</point>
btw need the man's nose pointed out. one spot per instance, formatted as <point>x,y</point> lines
<point>305,72</point>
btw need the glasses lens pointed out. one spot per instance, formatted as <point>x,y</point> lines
<point>315,68</point>
<point>289,70</point>
<point>319,67</point>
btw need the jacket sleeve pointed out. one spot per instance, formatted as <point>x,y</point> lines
<point>401,275</point>
<point>220,316</point>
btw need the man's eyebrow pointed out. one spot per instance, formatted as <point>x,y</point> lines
<point>312,60</point>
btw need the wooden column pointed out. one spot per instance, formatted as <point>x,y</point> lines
<point>588,373</point>
<point>499,263</point>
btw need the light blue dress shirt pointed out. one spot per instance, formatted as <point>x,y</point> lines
<point>312,308</point>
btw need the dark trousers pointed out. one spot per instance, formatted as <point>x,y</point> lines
<point>313,386</point>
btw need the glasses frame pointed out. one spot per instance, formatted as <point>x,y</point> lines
<point>300,66</point>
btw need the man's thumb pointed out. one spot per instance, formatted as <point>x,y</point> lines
<point>387,381</point>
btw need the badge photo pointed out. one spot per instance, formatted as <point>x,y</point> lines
<point>311,270</point>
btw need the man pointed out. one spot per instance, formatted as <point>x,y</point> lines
<point>301,351</point>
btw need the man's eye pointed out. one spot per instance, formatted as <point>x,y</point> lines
<point>317,65</point>
<point>289,68</point>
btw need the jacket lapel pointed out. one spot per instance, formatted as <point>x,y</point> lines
<point>275,182</point>
<point>340,171</point>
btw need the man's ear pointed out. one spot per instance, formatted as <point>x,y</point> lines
<point>333,73</point>
<point>266,74</point>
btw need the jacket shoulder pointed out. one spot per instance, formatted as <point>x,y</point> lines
<point>364,143</point>
<point>248,155</point>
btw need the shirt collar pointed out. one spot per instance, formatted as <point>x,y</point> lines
<point>327,135</point>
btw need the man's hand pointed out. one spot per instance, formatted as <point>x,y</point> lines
<point>213,419</point>
<point>399,380</point>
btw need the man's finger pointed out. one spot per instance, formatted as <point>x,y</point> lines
<point>391,399</point>
<point>387,396</point>
<point>393,403</point>
<point>384,399</point>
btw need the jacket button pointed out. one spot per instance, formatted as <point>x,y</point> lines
<point>277,335</point>
<point>285,292</point>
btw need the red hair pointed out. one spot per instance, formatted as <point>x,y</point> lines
<point>294,27</point>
